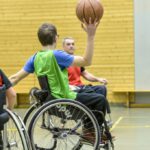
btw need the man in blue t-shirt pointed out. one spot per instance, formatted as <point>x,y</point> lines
<point>47,35</point>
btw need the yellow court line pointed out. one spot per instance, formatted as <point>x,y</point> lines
<point>11,129</point>
<point>140,117</point>
<point>134,126</point>
<point>116,123</point>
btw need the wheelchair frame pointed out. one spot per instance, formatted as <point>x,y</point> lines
<point>13,131</point>
<point>39,106</point>
<point>13,134</point>
<point>43,110</point>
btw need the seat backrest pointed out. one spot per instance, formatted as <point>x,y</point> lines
<point>43,82</point>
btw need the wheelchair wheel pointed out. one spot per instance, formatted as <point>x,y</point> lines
<point>106,144</point>
<point>29,113</point>
<point>14,134</point>
<point>109,146</point>
<point>25,133</point>
<point>68,125</point>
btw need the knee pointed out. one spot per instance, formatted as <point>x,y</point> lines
<point>104,89</point>
<point>103,99</point>
<point>14,95</point>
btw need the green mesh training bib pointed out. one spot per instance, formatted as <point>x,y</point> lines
<point>45,64</point>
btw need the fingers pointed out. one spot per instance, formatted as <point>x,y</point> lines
<point>105,82</point>
<point>90,26</point>
<point>97,23</point>
<point>83,27</point>
<point>102,80</point>
<point>90,22</point>
<point>85,22</point>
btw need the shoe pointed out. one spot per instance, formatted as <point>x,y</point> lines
<point>109,123</point>
<point>89,135</point>
<point>105,137</point>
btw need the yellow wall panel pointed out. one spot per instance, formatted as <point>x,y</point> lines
<point>114,41</point>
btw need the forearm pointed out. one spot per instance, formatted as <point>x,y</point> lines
<point>88,76</point>
<point>18,76</point>
<point>86,60</point>
<point>91,78</point>
<point>89,50</point>
<point>13,80</point>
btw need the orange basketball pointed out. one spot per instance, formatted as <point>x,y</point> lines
<point>89,9</point>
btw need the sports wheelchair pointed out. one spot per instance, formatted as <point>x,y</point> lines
<point>13,134</point>
<point>55,124</point>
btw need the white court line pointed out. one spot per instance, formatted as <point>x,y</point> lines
<point>116,123</point>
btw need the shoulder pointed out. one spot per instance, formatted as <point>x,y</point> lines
<point>29,66</point>
<point>4,80</point>
<point>60,53</point>
<point>2,73</point>
<point>31,59</point>
<point>63,58</point>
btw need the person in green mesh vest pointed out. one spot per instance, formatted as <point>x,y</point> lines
<point>54,63</point>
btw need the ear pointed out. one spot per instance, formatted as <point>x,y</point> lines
<point>56,38</point>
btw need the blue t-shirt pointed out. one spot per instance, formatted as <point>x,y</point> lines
<point>64,60</point>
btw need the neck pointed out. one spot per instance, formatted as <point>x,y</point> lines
<point>49,47</point>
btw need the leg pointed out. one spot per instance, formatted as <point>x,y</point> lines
<point>94,101</point>
<point>100,89</point>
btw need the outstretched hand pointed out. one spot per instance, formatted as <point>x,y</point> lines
<point>102,80</point>
<point>89,27</point>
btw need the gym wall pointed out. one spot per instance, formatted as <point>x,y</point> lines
<point>114,41</point>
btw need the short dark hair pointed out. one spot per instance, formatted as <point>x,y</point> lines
<point>47,34</point>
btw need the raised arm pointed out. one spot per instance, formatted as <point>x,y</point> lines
<point>86,60</point>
